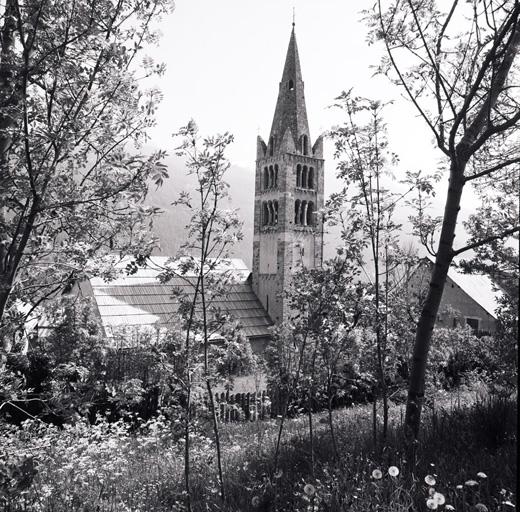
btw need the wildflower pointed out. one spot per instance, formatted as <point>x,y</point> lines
<point>431,492</point>
<point>309,490</point>
<point>376,474</point>
<point>459,487</point>
<point>431,504</point>
<point>439,498</point>
<point>393,470</point>
<point>255,501</point>
<point>449,507</point>
<point>508,503</point>
<point>481,474</point>
<point>480,507</point>
<point>430,480</point>
<point>278,474</point>
<point>471,483</point>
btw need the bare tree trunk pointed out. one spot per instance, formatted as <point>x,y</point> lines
<point>481,126</point>
<point>431,305</point>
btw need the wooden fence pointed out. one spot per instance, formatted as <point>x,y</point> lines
<point>231,407</point>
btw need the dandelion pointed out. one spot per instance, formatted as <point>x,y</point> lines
<point>482,475</point>
<point>439,498</point>
<point>430,480</point>
<point>431,492</point>
<point>471,483</point>
<point>431,504</point>
<point>309,490</point>
<point>255,501</point>
<point>480,507</point>
<point>376,474</point>
<point>393,470</point>
<point>459,487</point>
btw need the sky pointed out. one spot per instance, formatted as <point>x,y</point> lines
<point>224,63</point>
<point>225,59</point>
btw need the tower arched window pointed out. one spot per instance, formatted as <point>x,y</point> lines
<point>297,211</point>
<point>271,176</point>
<point>266,178</point>
<point>310,178</point>
<point>305,145</point>
<point>276,175</point>
<point>265,214</point>
<point>291,85</point>
<point>298,175</point>
<point>271,213</point>
<point>309,213</point>
<point>304,177</point>
<point>303,209</point>
<point>275,212</point>
<point>271,146</point>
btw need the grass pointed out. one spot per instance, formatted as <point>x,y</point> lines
<point>107,468</point>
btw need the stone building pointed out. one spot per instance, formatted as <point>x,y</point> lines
<point>288,194</point>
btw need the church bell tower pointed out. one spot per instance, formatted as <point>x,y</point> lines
<point>288,231</point>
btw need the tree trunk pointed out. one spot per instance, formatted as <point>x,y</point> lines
<point>431,305</point>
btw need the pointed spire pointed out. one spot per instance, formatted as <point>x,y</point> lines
<point>290,108</point>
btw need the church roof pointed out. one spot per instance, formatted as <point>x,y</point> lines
<point>290,113</point>
<point>141,299</point>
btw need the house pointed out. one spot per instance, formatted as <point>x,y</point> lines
<point>470,299</point>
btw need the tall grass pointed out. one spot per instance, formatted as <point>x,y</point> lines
<point>106,467</point>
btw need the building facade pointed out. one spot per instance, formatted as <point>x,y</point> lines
<point>289,180</point>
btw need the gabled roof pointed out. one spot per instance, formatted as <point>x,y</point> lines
<point>479,287</point>
<point>140,299</point>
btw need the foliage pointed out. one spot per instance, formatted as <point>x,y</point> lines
<point>457,63</point>
<point>107,466</point>
<point>73,118</point>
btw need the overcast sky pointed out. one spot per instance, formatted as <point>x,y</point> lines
<point>225,59</point>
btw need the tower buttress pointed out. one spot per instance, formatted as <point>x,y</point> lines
<point>288,231</point>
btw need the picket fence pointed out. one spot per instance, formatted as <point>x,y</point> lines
<point>233,407</point>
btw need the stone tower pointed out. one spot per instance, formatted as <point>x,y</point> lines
<point>288,194</point>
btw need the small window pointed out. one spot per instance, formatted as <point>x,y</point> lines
<point>310,178</point>
<point>297,211</point>
<point>271,146</point>
<point>266,178</point>
<point>304,177</point>
<point>276,175</point>
<point>474,323</point>
<point>305,144</point>
<point>298,175</point>
<point>310,208</point>
<point>291,85</point>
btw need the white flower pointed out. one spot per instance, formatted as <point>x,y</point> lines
<point>430,480</point>
<point>471,483</point>
<point>278,474</point>
<point>449,507</point>
<point>376,474</point>
<point>480,507</point>
<point>309,490</point>
<point>439,498</point>
<point>459,487</point>
<point>430,503</point>
<point>255,501</point>
<point>508,503</point>
<point>481,474</point>
<point>393,470</point>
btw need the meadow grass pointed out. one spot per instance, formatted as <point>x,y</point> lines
<point>468,446</point>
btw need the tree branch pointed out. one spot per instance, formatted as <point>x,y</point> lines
<point>484,241</point>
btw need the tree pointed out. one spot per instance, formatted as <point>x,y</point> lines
<point>71,185</point>
<point>212,232</point>
<point>464,85</point>
<point>365,208</point>
<point>326,304</point>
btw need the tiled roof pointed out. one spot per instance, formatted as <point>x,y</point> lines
<point>141,299</point>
